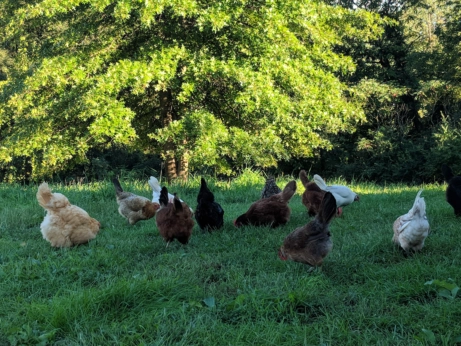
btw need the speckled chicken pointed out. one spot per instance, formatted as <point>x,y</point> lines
<point>453,192</point>
<point>270,188</point>
<point>311,243</point>
<point>208,214</point>
<point>273,211</point>
<point>133,207</point>
<point>174,220</point>
<point>411,229</point>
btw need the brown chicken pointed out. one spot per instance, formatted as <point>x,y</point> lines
<point>134,207</point>
<point>174,220</point>
<point>65,224</point>
<point>273,211</point>
<point>311,243</point>
<point>312,197</point>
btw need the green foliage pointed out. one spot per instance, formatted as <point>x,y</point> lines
<point>444,289</point>
<point>264,78</point>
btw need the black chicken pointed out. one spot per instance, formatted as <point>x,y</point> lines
<point>208,214</point>
<point>453,193</point>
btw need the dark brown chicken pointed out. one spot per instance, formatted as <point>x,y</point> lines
<point>273,211</point>
<point>312,197</point>
<point>174,220</point>
<point>311,243</point>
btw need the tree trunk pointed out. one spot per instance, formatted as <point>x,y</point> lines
<point>182,165</point>
<point>166,106</point>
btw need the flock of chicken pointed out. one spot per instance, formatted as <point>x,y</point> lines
<point>66,225</point>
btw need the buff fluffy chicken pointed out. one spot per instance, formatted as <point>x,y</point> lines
<point>174,219</point>
<point>411,229</point>
<point>311,243</point>
<point>133,207</point>
<point>273,211</point>
<point>64,225</point>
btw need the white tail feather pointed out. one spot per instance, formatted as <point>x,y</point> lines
<point>416,203</point>
<point>320,183</point>
<point>156,189</point>
<point>155,186</point>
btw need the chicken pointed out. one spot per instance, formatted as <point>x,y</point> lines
<point>411,229</point>
<point>156,190</point>
<point>134,207</point>
<point>343,195</point>
<point>270,188</point>
<point>174,219</point>
<point>273,211</point>
<point>311,243</point>
<point>64,225</point>
<point>312,196</point>
<point>208,214</point>
<point>453,192</point>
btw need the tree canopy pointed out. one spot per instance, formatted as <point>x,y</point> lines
<point>218,84</point>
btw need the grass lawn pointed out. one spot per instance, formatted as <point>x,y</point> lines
<point>229,287</point>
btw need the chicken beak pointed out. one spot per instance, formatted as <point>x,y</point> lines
<point>282,256</point>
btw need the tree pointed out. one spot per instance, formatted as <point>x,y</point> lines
<point>217,84</point>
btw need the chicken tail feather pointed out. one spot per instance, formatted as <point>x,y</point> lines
<point>417,203</point>
<point>327,208</point>
<point>177,204</point>
<point>303,177</point>
<point>289,190</point>
<point>320,183</point>
<point>163,197</point>
<point>154,184</point>
<point>118,187</point>
<point>44,194</point>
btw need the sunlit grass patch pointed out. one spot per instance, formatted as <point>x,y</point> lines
<point>229,286</point>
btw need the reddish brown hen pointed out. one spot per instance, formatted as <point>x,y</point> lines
<point>174,220</point>
<point>311,243</point>
<point>273,211</point>
<point>312,197</point>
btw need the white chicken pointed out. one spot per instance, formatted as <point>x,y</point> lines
<point>342,194</point>
<point>411,229</point>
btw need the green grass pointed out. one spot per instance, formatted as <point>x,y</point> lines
<point>227,288</point>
